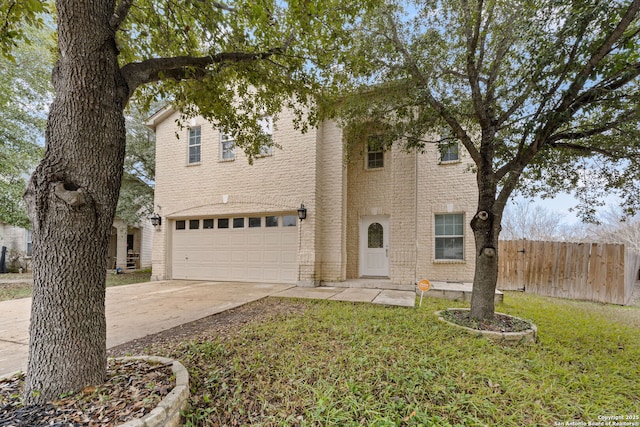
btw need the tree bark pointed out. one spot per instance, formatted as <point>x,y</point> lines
<point>485,227</point>
<point>486,230</point>
<point>71,201</point>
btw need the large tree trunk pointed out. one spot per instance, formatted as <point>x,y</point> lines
<point>486,230</point>
<point>71,200</point>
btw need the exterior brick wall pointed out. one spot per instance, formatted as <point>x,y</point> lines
<point>310,168</point>
<point>445,188</point>
<point>273,184</point>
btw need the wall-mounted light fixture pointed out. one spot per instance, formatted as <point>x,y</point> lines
<point>302,212</point>
<point>156,220</point>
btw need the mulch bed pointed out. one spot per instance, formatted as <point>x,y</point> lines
<point>133,388</point>
<point>500,322</point>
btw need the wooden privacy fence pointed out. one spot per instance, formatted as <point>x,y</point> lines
<point>586,271</point>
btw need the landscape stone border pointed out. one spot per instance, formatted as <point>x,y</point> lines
<point>167,413</point>
<point>529,336</point>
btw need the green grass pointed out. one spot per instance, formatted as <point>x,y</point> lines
<point>14,291</point>
<point>343,364</point>
<point>137,276</point>
<point>23,288</point>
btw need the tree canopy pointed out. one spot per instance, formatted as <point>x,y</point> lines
<point>24,98</point>
<point>231,62</point>
<point>135,203</point>
<point>542,94</point>
<point>17,18</point>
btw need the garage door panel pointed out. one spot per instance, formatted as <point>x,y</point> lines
<point>271,274</point>
<point>238,271</point>
<point>254,257</point>
<point>239,256</point>
<point>222,256</point>
<point>255,274</point>
<point>288,257</point>
<point>289,238</point>
<point>238,239</point>
<point>272,239</point>
<point>255,238</point>
<point>271,257</point>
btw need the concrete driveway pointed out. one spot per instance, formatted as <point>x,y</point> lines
<point>135,311</point>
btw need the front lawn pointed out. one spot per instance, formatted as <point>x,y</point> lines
<point>343,364</point>
<point>14,285</point>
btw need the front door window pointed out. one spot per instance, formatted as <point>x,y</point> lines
<point>375,235</point>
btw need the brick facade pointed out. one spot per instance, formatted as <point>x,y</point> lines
<point>337,189</point>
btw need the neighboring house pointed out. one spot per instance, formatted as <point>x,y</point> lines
<point>388,218</point>
<point>17,240</point>
<point>129,247</point>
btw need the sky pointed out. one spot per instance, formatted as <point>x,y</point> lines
<point>562,203</point>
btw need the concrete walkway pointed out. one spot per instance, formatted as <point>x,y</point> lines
<point>134,311</point>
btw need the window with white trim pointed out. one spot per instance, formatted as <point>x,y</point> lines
<point>289,220</point>
<point>266,124</point>
<point>449,147</point>
<point>375,152</point>
<point>449,242</point>
<point>450,152</point>
<point>227,146</point>
<point>271,221</point>
<point>194,145</point>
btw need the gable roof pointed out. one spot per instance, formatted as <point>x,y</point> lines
<point>159,116</point>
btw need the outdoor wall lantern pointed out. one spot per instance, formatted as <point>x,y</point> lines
<point>156,220</point>
<point>302,212</point>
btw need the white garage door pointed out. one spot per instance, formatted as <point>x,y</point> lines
<point>254,248</point>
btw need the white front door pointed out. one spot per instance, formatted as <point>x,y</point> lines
<point>374,246</point>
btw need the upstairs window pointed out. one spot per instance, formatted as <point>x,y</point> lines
<point>266,124</point>
<point>194,145</point>
<point>227,146</point>
<point>449,147</point>
<point>450,152</point>
<point>375,152</point>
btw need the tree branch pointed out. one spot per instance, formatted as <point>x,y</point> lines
<point>183,67</point>
<point>599,54</point>
<point>590,149</point>
<point>591,132</point>
<point>472,68</point>
<point>572,101</point>
<point>120,14</point>
<point>425,85</point>
<point>594,93</point>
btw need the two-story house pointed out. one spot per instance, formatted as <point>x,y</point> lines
<point>386,217</point>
